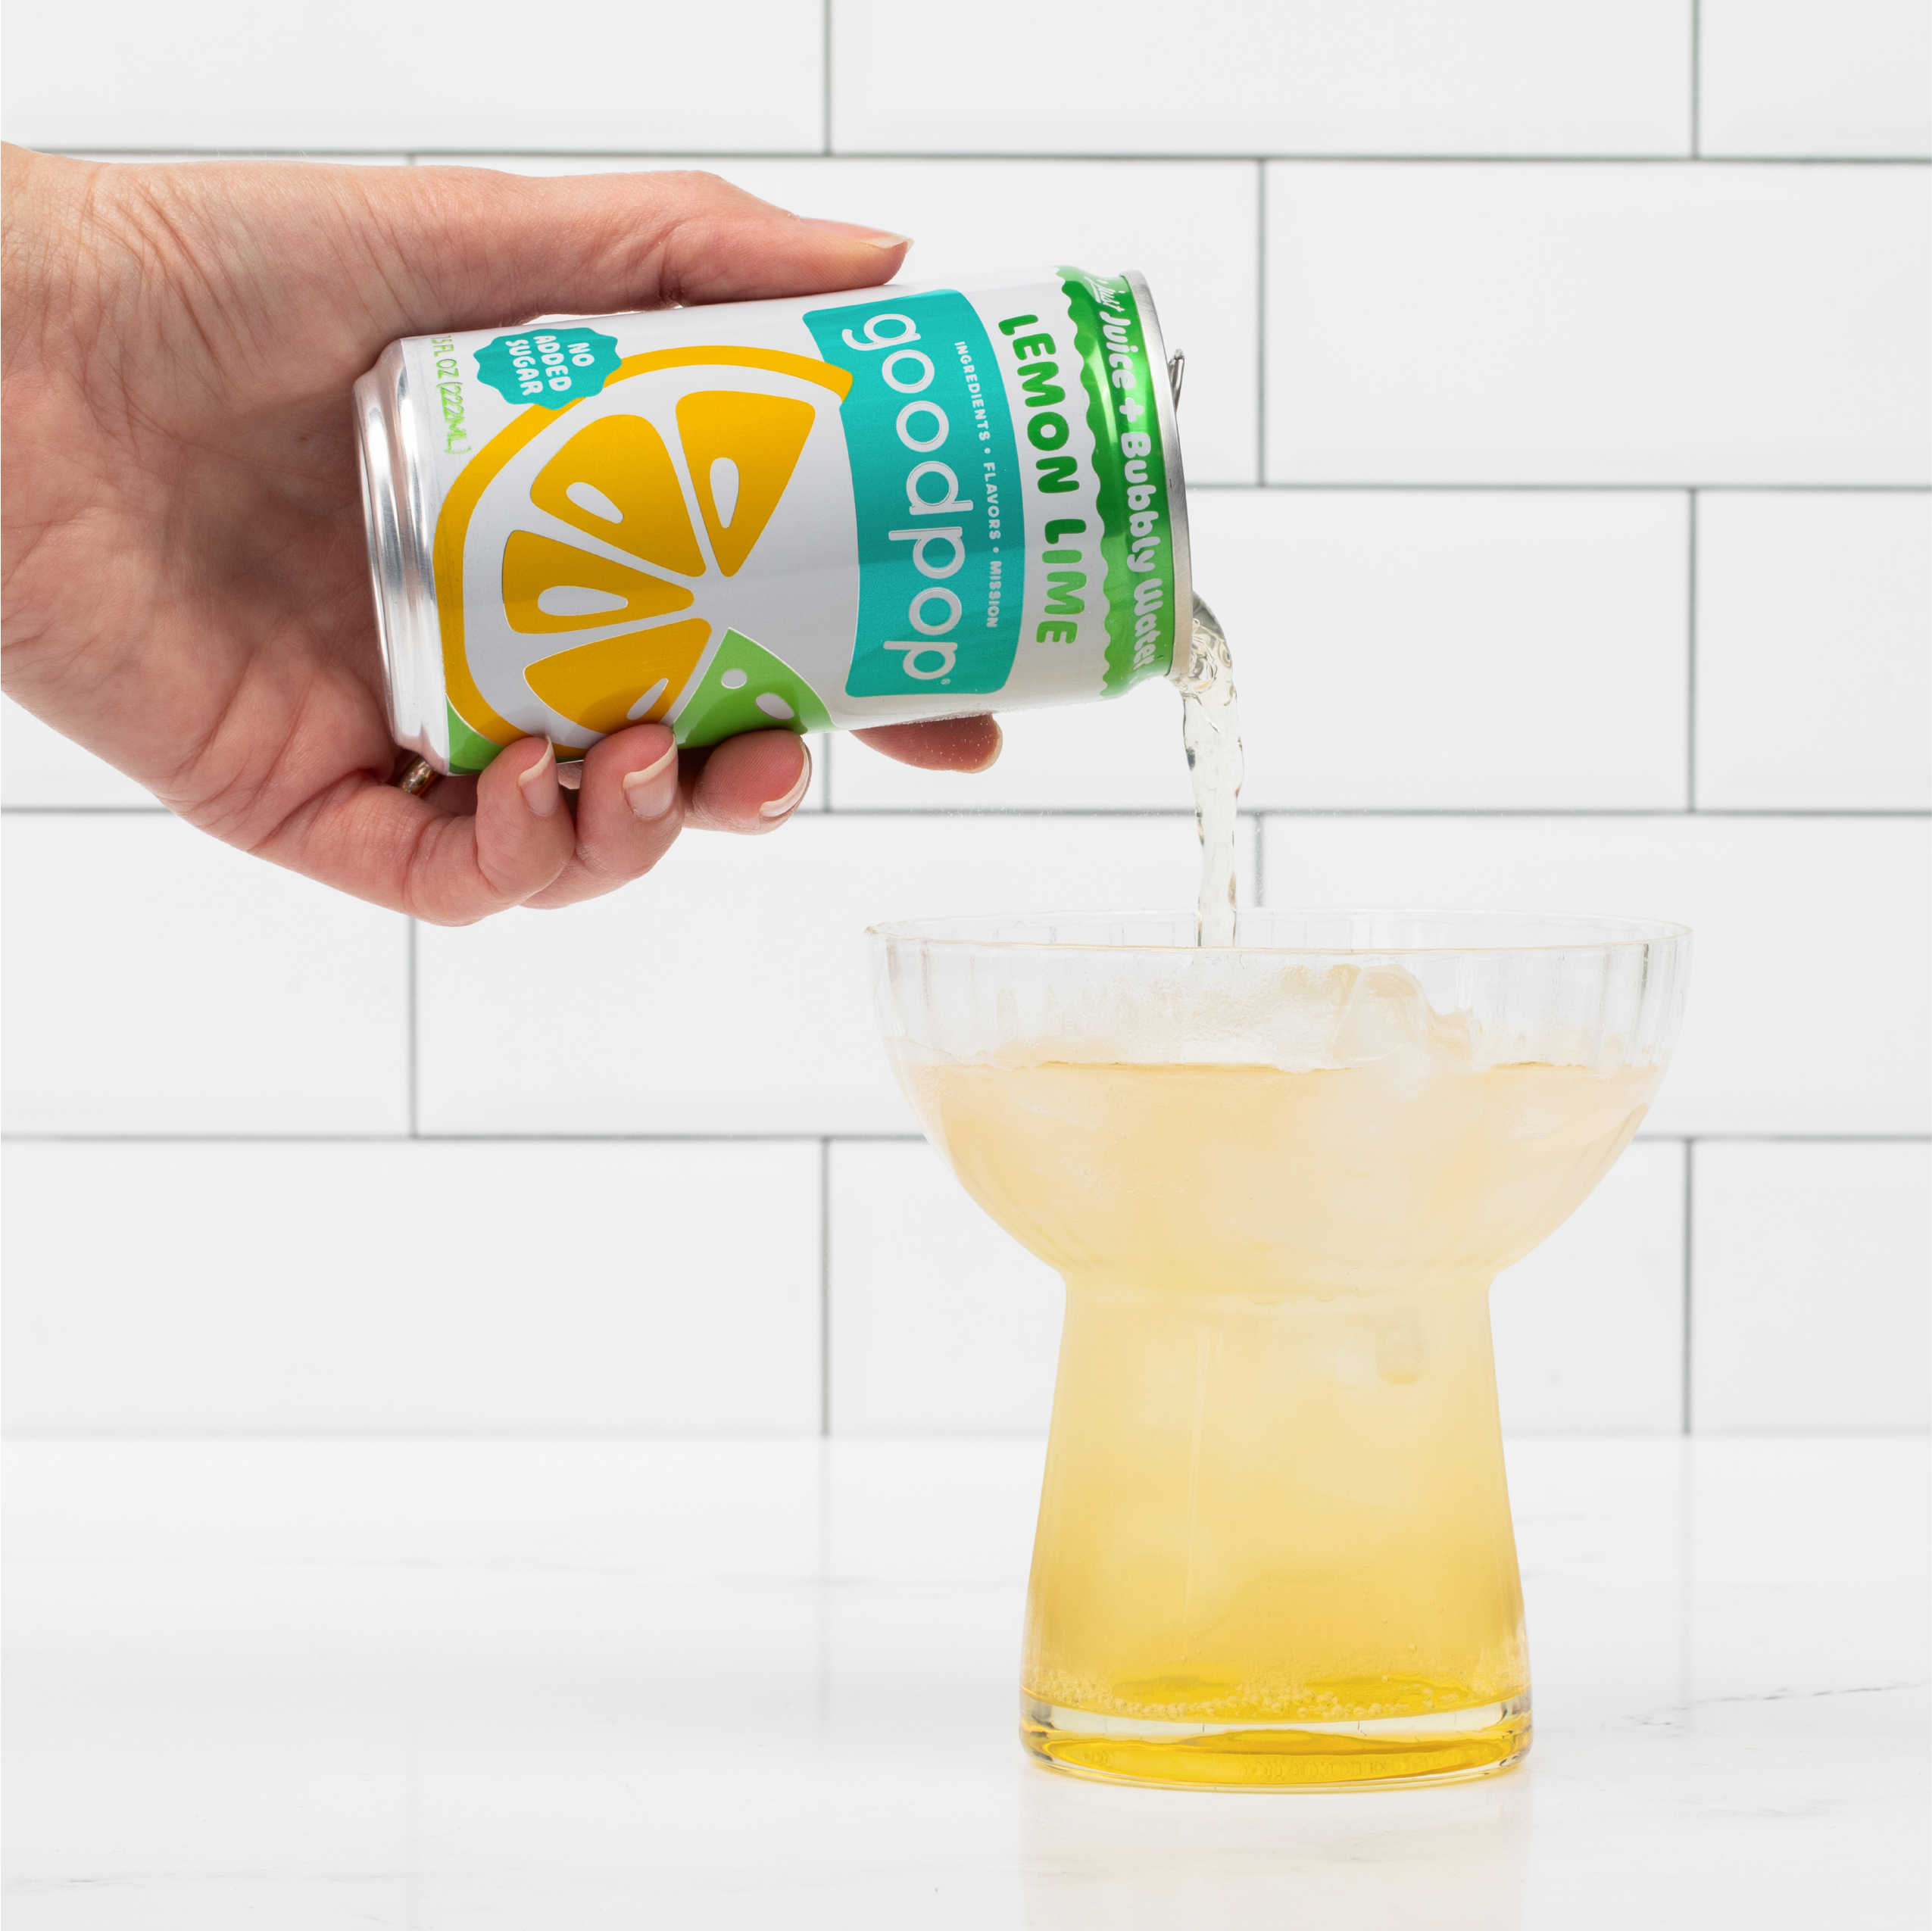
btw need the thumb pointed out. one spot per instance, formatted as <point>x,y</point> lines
<point>469,248</point>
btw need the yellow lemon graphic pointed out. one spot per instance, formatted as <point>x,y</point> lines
<point>594,558</point>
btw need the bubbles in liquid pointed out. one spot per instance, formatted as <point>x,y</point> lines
<point>1210,729</point>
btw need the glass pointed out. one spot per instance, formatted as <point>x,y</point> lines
<point>1274,1546</point>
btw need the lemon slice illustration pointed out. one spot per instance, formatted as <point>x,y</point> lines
<point>632,556</point>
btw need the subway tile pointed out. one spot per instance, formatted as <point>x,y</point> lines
<point>1458,649</point>
<point>940,1323</point>
<point>1806,1011</point>
<point>748,76</point>
<point>40,767</point>
<point>1189,226</point>
<point>1579,324</point>
<point>1814,651</point>
<point>1810,1299</point>
<point>1393,649</point>
<point>1814,77</point>
<point>1589,1328</point>
<point>403,1288</point>
<point>1238,77</point>
<point>729,991</point>
<point>160,982</point>
<point>1124,754</point>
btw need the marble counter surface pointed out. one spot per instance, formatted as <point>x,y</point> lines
<point>462,1686</point>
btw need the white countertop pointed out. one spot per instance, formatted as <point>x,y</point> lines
<point>565,1686</point>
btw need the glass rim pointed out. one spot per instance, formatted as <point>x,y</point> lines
<point>969,930</point>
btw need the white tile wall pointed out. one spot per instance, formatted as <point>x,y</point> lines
<point>1589,1329</point>
<point>1807,1011</point>
<point>1121,756</point>
<point>39,767</point>
<point>1492,686</point>
<point>1814,651</point>
<point>160,983</point>
<point>366,74</point>
<point>939,1322</point>
<point>1504,650</point>
<point>1583,324</point>
<point>1814,77</point>
<point>393,1287</point>
<point>733,995</point>
<point>1189,226</point>
<point>1811,1307</point>
<point>1234,77</point>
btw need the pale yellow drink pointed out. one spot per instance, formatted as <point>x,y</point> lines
<point>1275,1542</point>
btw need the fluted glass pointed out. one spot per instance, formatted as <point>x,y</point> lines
<point>1278,1178</point>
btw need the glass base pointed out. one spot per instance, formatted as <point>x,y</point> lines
<point>1382,1753</point>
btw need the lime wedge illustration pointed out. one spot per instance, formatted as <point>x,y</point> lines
<point>468,752</point>
<point>747,688</point>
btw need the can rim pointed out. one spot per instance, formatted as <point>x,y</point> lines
<point>407,632</point>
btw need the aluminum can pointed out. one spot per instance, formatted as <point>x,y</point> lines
<point>818,513</point>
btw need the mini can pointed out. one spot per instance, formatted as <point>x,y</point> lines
<point>820,513</point>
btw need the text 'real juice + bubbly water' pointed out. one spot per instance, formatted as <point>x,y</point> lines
<point>815,513</point>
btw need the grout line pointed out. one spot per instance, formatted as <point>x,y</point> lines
<point>255,1437</point>
<point>1169,813</point>
<point>1260,862</point>
<point>1195,157</point>
<point>414,1081</point>
<point>1261,323</point>
<point>824,78</point>
<point>802,1139</point>
<point>1690,661</point>
<point>1901,813</point>
<point>1696,77</point>
<point>805,1137</point>
<point>1532,488</point>
<point>1033,1440</point>
<point>825,1287</point>
<point>1690,1156</point>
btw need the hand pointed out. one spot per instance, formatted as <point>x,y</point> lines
<point>187,591</point>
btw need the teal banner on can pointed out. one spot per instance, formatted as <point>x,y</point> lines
<point>935,485</point>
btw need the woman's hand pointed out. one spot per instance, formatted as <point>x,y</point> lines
<point>187,587</point>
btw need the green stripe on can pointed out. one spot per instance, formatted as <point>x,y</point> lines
<point>1130,465</point>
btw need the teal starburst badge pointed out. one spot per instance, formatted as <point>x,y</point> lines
<point>547,365</point>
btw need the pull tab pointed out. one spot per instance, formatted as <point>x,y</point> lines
<point>1177,368</point>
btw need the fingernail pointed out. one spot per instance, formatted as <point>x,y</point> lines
<point>851,231</point>
<point>652,792</point>
<point>778,807</point>
<point>538,785</point>
<point>570,773</point>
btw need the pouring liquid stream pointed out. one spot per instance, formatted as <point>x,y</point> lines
<point>1210,729</point>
